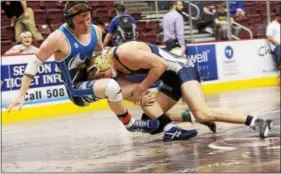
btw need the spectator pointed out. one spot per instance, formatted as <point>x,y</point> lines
<point>25,47</point>
<point>236,8</point>
<point>206,21</point>
<point>273,36</point>
<point>123,25</point>
<point>22,18</point>
<point>173,27</point>
<point>221,23</point>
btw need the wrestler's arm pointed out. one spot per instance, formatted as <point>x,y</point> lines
<point>139,59</point>
<point>47,49</point>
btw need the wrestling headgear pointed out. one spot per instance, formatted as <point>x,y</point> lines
<point>73,8</point>
<point>99,64</point>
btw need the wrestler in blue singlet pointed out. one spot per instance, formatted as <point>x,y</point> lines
<point>80,90</point>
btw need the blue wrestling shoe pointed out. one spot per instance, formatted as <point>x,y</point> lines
<point>176,133</point>
<point>145,126</point>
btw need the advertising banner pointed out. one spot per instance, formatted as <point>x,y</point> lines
<point>240,60</point>
<point>47,85</point>
<point>204,57</point>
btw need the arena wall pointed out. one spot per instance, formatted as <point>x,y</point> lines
<point>224,66</point>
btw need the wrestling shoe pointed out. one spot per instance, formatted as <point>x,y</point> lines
<point>262,127</point>
<point>176,133</point>
<point>270,124</point>
<point>145,126</point>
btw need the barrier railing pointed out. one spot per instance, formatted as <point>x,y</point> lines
<point>197,11</point>
<point>244,28</point>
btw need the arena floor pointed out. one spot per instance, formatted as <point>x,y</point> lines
<point>97,142</point>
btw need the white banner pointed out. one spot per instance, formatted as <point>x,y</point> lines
<point>239,60</point>
<point>46,87</point>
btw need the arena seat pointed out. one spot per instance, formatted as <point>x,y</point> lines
<point>55,17</point>
<point>141,24</point>
<point>44,29</point>
<point>94,3</point>
<point>152,25</point>
<point>101,12</point>
<point>55,26</point>
<point>136,15</point>
<point>8,31</point>
<point>5,22</point>
<point>40,21</point>
<point>37,43</point>
<point>112,13</point>
<point>35,4</point>
<point>5,48</point>
<point>53,5</point>
<point>107,3</point>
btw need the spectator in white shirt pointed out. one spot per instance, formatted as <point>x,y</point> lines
<point>25,47</point>
<point>273,36</point>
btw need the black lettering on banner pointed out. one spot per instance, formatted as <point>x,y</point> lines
<point>61,92</point>
<point>55,93</point>
<point>264,50</point>
<point>49,93</point>
<point>37,95</point>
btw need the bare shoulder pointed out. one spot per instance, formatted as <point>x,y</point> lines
<point>127,48</point>
<point>55,38</point>
<point>55,42</point>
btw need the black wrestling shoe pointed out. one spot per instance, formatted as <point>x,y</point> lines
<point>270,124</point>
<point>262,127</point>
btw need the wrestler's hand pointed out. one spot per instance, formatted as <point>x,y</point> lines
<point>148,99</point>
<point>18,100</point>
<point>138,94</point>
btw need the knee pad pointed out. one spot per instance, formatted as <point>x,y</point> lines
<point>113,91</point>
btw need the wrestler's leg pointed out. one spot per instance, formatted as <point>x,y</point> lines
<point>157,111</point>
<point>195,98</point>
<point>162,105</point>
<point>127,87</point>
<point>163,102</point>
<point>110,88</point>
